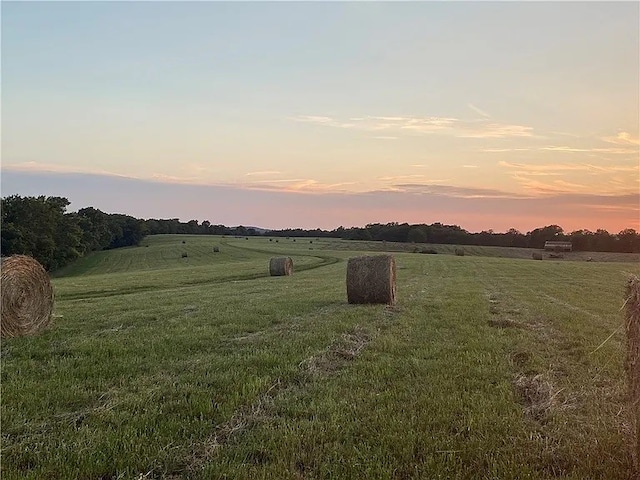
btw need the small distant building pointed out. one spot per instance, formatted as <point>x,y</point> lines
<point>557,246</point>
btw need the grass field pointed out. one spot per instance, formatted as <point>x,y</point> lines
<point>159,366</point>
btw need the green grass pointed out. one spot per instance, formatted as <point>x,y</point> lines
<point>159,366</point>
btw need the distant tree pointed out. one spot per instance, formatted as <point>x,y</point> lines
<point>629,241</point>
<point>39,227</point>
<point>418,235</point>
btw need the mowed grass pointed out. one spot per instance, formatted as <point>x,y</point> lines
<point>159,366</point>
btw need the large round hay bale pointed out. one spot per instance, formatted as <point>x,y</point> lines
<point>216,249</point>
<point>536,256</point>
<point>459,252</point>
<point>371,279</point>
<point>632,326</point>
<point>279,266</point>
<point>27,296</point>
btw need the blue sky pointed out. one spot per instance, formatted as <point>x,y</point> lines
<point>511,105</point>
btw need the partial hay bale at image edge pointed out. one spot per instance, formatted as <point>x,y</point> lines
<point>280,266</point>
<point>371,279</point>
<point>632,364</point>
<point>27,296</point>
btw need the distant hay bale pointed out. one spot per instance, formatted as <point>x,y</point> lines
<point>276,241</point>
<point>279,266</point>
<point>216,249</point>
<point>589,259</point>
<point>536,256</point>
<point>271,239</point>
<point>371,279</point>
<point>184,255</point>
<point>27,296</point>
<point>184,241</point>
<point>632,325</point>
<point>459,252</point>
<point>310,241</point>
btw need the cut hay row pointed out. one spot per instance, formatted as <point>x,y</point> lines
<point>27,296</point>
<point>280,266</point>
<point>632,324</point>
<point>371,279</point>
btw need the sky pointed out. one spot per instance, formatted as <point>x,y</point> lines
<point>320,114</point>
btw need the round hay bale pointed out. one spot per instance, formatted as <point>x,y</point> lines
<point>216,249</point>
<point>27,296</point>
<point>632,363</point>
<point>371,279</point>
<point>459,252</point>
<point>279,266</point>
<point>184,255</point>
<point>536,256</point>
<point>184,241</point>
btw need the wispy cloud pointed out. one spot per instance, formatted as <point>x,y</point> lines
<point>623,138</point>
<point>455,191</point>
<point>501,150</point>
<point>531,178</point>
<point>423,126</point>
<point>537,188</point>
<point>264,173</point>
<point>300,185</point>
<point>400,177</point>
<point>469,166</point>
<point>32,166</point>
<point>567,167</point>
<point>565,149</point>
<point>478,111</point>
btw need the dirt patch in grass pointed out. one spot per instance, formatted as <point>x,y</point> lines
<point>536,393</point>
<point>501,322</point>
<point>343,350</point>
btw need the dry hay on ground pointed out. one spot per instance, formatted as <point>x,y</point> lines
<point>279,266</point>
<point>371,279</point>
<point>27,296</point>
<point>632,326</point>
<point>536,256</point>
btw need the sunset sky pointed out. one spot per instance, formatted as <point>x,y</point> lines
<point>485,115</point>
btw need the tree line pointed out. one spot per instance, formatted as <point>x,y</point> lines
<point>42,228</point>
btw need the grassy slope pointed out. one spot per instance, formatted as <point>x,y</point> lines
<point>205,367</point>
